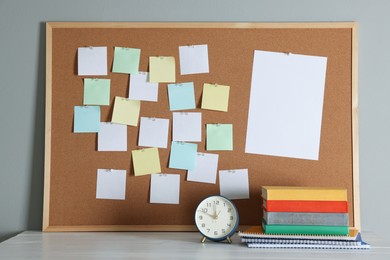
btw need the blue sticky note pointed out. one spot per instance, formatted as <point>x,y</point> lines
<point>86,119</point>
<point>181,96</point>
<point>183,156</point>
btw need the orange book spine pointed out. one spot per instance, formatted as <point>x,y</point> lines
<point>306,206</point>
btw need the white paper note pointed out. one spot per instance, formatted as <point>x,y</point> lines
<point>234,184</point>
<point>187,126</point>
<point>112,137</point>
<point>92,61</point>
<point>206,168</point>
<point>194,59</point>
<point>153,132</point>
<point>111,184</point>
<point>165,188</point>
<point>285,109</point>
<point>141,89</point>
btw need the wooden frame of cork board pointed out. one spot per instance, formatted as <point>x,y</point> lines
<point>71,160</point>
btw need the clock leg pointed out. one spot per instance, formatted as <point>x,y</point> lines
<point>203,239</point>
<point>229,240</point>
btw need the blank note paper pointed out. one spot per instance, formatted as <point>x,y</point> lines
<point>165,188</point>
<point>141,89</point>
<point>111,184</point>
<point>183,156</point>
<point>97,92</point>
<point>153,132</point>
<point>215,97</point>
<point>126,111</point>
<point>234,184</point>
<point>206,168</point>
<point>112,137</point>
<point>285,109</point>
<point>219,137</point>
<point>92,61</point>
<point>162,69</point>
<point>86,119</point>
<point>126,60</point>
<point>146,161</point>
<point>187,126</point>
<point>194,59</point>
<point>181,96</point>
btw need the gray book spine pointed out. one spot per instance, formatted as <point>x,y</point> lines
<point>318,219</point>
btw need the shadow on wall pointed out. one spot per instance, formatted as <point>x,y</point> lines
<point>6,236</point>
<point>35,200</point>
<point>34,221</point>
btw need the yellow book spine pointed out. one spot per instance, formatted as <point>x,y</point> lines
<point>304,193</point>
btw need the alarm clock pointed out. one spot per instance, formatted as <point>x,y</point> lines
<point>216,218</point>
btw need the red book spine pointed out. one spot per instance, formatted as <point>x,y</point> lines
<point>306,206</point>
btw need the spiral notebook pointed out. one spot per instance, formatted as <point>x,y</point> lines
<point>286,241</point>
<point>254,237</point>
<point>306,246</point>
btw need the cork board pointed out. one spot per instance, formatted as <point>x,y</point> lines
<point>71,160</point>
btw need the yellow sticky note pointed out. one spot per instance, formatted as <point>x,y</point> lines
<point>215,97</point>
<point>126,111</point>
<point>146,161</point>
<point>162,69</point>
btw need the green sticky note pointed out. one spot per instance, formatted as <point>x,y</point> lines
<point>183,156</point>
<point>86,119</point>
<point>126,60</point>
<point>219,137</point>
<point>97,92</point>
<point>126,111</point>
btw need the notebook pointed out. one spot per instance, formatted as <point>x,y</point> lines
<point>254,237</point>
<point>257,232</point>
<point>306,246</point>
<point>285,241</point>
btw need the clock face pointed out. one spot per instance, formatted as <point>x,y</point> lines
<point>216,217</point>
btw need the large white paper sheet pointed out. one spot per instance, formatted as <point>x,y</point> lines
<point>194,59</point>
<point>165,188</point>
<point>187,126</point>
<point>111,184</point>
<point>92,61</point>
<point>234,184</point>
<point>286,101</point>
<point>153,132</point>
<point>206,168</point>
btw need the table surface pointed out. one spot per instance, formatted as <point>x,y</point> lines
<point>163,245</point>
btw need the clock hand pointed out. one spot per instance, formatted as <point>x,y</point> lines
<point>216,215</point>
<point>206,213</point>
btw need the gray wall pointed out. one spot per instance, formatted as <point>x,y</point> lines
<point>22,86</point>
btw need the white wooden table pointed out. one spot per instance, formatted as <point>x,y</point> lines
<point>162,245</point>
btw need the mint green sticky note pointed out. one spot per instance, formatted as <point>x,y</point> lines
<point>183,156</point>
<point>219,137</point>
<point>126,60</point>
<point>97,92</point>
<point>86,119</point>
<point>181,96</point>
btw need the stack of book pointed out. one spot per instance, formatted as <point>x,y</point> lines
<point>305,210</point>
<point>304,217</point>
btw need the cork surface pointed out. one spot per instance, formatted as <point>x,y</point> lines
<point>75,159</point>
